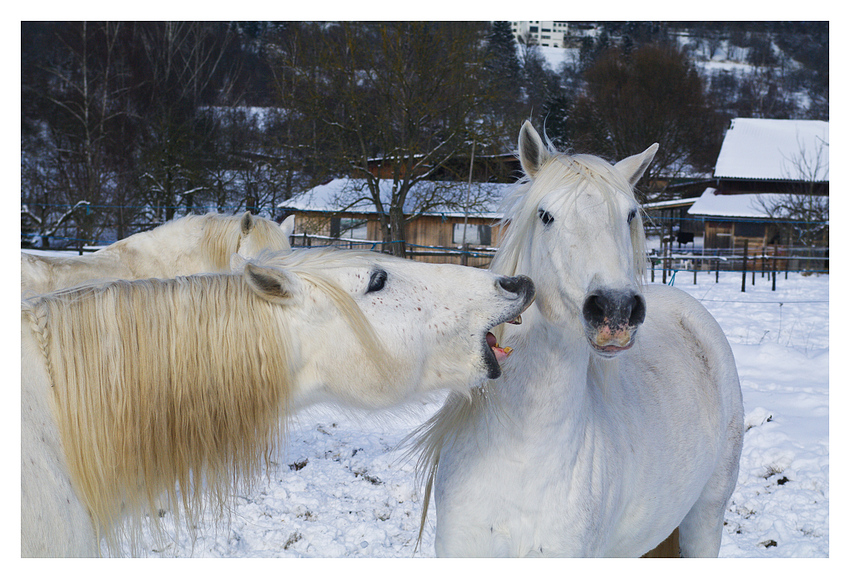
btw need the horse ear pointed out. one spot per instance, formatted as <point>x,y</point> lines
<point>272,284</point>
<point>288,226</point>
<point>632,168</point>
<point>532,151</point>
<point>247,222</point>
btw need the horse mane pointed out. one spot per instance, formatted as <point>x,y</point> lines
<point>570,173</point>
<point>181,405</point>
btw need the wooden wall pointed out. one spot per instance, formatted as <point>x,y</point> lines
<point>428,230</point>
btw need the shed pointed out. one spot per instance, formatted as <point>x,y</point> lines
<point>339,212</point>
<point>763,162</point>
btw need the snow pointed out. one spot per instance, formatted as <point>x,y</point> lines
<point>712,203</point>
<point>775,149</point>
<point>353,194</point>
<point>342,487</point>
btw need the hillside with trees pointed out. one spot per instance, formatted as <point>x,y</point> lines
<point>127,124</point>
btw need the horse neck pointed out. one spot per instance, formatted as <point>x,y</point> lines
<point>546,377</point>
<point>165,251</point>
<point>548,373</point>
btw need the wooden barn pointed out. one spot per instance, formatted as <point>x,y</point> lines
<point>339,213</point>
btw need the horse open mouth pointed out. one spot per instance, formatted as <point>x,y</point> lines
<point>610,351</point>
<point>494,354</point>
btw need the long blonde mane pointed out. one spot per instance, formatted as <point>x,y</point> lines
<point>570,174</point>
<point>169,392</point>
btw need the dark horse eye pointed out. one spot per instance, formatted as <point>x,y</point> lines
<point>632,215</point>
<point>545,217</point>
<point>377,281</point>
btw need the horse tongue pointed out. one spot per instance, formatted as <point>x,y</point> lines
<point>501,353</point>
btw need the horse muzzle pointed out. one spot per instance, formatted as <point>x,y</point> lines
<point>611,320</point>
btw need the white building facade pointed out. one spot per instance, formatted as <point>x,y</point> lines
<point>541,32</point>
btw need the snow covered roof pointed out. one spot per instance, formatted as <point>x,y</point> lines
<point>672,203</point>
<point>352,195</point>
<point>775,149</point>
<point>745,205</point>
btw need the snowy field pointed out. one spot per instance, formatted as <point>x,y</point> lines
<point>342,488</point>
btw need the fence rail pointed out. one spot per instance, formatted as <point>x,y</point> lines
<point>471,256</point>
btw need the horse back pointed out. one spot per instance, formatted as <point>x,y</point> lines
<point>46,273</point>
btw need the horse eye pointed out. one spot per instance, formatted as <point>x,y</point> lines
<point>632,215</point>
<point>377,281</point>
<point>545,216</point>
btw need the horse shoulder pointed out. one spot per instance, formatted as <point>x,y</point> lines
<point>685,350</point>
<point>53,520</point>
<point>681,317</point>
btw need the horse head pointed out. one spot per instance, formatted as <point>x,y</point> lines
<point>400,326</point>
<point>580,222</point>
<point>257,234</point>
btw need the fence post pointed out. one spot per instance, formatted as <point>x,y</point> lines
<point>744,267</point>
<point>774,264</point>
<point>773,273</point>
<point>717,266</point>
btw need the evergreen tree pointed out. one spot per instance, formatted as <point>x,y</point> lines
<point>503,79</point>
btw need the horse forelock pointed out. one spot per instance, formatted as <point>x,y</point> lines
<point>268,234</point>
<point>183,398</point>
<point>221,237</point>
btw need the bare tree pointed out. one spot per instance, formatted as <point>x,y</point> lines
<point>653,94</point>
<point>71,168</point>
<point>395,101</point>
<point>179,69</point>
<point>802,214</point>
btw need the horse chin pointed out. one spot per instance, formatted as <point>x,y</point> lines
<point>610,351</point>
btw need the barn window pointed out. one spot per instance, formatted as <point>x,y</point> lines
<point>347,228</point>
<point>475,234</point>
<point>749,229</point>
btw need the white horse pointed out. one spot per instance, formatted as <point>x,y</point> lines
<point>618,419</point>
<point>184,246</point>
<point>135,390</point>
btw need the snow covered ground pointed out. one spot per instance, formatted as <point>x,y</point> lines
<point>342,488</point>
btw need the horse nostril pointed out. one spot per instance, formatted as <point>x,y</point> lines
<point>614,309</point>
<point>594,309</point>
<point>638,311</point>
<point>515,285</point>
